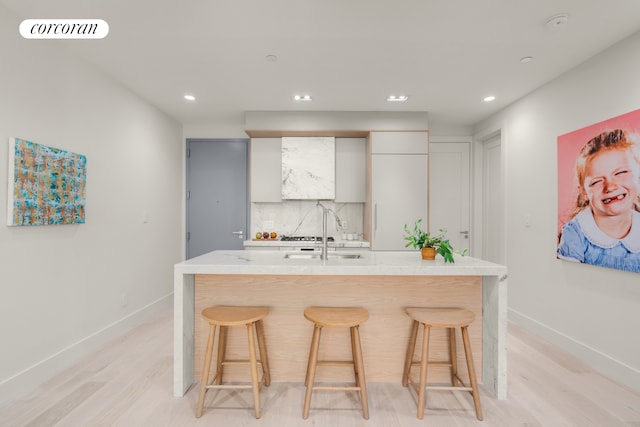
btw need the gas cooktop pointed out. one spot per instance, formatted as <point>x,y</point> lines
<point>305,239</point>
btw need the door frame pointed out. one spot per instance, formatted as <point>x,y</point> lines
<point>185,188</point>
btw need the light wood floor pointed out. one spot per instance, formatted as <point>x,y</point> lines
<point>129,383</point>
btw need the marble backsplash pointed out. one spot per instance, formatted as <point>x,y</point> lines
<point>304,218</point>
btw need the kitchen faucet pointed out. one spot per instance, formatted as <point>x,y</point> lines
<point>326,210</point>
<point>323,255</point>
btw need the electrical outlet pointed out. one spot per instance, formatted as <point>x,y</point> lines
<point>267,225</point>
<point>345,225</point>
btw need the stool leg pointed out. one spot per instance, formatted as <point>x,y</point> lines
<point>222,351</point>
<point>204,378</point>
<point>253,362</point>
<point>410,350</point>
<point>264,359</point>
<point>311,369</point>
<point>354,356</point>
<point>360,379</point>
<point>453,356</point>
<point>472,372</point>
<point>424,357</point>
<point>314,337</point>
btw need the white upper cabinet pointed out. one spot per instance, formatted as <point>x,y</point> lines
<point>266,170</point>
<point>351,161</point>
<point>308,168</point>
<point>400,142</point>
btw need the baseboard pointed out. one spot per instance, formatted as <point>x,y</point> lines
<point>601,362</point>
<point>31,377</point>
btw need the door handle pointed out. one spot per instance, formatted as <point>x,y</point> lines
<point>465,234</point>
<point>240,234</point>
<point>375,217</point>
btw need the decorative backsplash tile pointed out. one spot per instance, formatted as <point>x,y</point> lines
<point>304,218</point>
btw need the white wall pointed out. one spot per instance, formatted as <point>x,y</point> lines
<point>62,288</point>
<point>215,129</point>
<point>593,312</point>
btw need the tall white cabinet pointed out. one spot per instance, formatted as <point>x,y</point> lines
<point>398,186</point>
<point>266,170</point>
<point>351,163</point>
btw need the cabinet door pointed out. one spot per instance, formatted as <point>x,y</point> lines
<point>399,197</point>
<point>266,170</point>
<point>410,142</point>
<point>351,170</point>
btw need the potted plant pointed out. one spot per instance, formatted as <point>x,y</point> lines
<point>430,244</point>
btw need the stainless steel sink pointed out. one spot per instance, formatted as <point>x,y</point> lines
<point>303,255</point>
<point>345,256</point>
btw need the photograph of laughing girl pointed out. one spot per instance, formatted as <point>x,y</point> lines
<point>603,227</point>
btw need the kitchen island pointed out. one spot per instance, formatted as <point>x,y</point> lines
<point>382,282</point>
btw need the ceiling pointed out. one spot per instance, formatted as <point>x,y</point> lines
<point>349,55</point>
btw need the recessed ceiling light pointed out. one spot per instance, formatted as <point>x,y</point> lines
<point>190,97</point>
<point>526,59</point>
<point>302,97</point>
<point>271,58</point>
<point>489,98</point>
<point>398,98</point>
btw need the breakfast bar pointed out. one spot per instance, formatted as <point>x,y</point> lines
<point>384,283</point>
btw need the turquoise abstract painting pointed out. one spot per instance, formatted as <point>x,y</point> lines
<point>46,185</point>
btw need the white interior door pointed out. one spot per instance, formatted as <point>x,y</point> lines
<point>449,193</point>
<point>493,202</point>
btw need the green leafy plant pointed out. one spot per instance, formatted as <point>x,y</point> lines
<point>418,239</point>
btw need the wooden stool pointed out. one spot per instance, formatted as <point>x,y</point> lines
<point>223,317</point>
<point>449,318</point>
<point>334,317</point>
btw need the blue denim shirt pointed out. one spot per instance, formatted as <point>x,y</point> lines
<point>582,241</point>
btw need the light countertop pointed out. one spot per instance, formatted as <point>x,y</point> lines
<point>407,263</point>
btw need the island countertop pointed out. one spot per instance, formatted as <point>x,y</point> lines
<point>384,279</point>
<point>406,263</point>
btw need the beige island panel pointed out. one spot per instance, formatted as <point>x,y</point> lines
<point>384,336</point>
<point>383,283</point>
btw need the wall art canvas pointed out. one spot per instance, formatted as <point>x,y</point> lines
<point>599,194</point>
<point>46,185</point>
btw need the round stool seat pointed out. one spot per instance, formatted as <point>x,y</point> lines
<point>234,316</point>
<point>443,317</point>
<point>336,317</point>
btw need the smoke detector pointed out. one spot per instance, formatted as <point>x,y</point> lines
<point>557,20</point>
